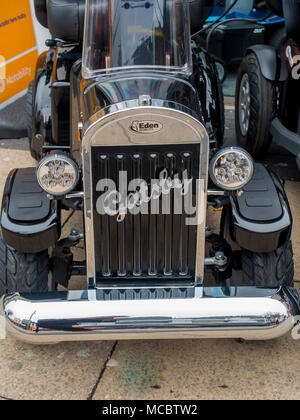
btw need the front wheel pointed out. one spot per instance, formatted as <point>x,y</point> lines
<point>255,107</point>
<point>24,273</point>
<point>271,270</point>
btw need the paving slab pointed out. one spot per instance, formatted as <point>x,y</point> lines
<point>66,371</point>
<point>203,369</point>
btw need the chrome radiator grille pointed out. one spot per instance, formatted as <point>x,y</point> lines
<point>149,245</point>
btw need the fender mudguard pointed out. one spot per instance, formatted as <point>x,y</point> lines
<point>273,68</point>
<point>260,219</point>
<point>30,222</point>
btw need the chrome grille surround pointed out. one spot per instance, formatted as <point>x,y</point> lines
<point>111,127</point>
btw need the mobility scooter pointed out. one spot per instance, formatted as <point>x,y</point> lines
<point>232,38</point>
<point>267,93</point>
<point>127,123</point>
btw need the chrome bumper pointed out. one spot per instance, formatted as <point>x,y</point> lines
<point>79,316</point>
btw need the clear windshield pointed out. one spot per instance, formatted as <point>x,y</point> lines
<point>136,33</point>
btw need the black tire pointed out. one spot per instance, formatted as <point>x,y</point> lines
<point>24,273</point>
<point>29,107</point>
<point>29,119</point>
<point>269,270</point>
<point>256,138</point>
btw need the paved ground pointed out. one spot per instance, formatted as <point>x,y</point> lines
<point>154,369</point>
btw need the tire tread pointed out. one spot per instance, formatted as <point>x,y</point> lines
<point>24,273</point>
<point>269,270</point>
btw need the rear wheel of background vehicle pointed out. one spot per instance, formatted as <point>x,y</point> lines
<point>24,273</point>
<point>255,107</point>
<point>271,270</point>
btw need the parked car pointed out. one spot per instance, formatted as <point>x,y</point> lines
<point>127,122</point>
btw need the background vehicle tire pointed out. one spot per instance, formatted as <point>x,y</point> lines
<point>24,273</point>
<point>269,270</point>
<point>29,119</point>
<point>29,105</point>
<point>255,107</point>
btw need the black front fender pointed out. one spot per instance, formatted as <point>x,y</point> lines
<point>260,220</point>
<point>30,222</point>
<point>273,68</point>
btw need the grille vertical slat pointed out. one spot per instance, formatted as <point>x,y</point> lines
<point>113,223</point>
<point>169,165</point>
<point>145,170</point>
<point>176,222</point>
<point>105,232</point>
<point>129,242</point>
<point>176,241</point>
<point>145,245</point>
<point>184,231</point>
<point>183,268</point>
<point>121,166</point>
<point>137,245</point>
<point>137,269</point>
<point>153,219</point>
<point>129,223</point>
<point>160,243</point>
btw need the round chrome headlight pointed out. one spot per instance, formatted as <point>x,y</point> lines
<point>57,174</point>
<point>231,168</point>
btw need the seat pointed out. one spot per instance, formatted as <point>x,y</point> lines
<point>275,6</point>
<point>200,10</point>
<point>40,7</point>
<point>65,18</point>
<point>290,10</point>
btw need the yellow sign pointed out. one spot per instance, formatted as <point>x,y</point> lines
<point>18,50</point>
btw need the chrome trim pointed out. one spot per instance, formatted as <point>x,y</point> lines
<point>75,194</point>
<point>219,260</point>
<point>216,193</point>
<point>79,316</point>
<point>106,128</point>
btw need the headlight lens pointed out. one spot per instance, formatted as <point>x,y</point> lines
<point>57,174</point>
<point>231,168</point>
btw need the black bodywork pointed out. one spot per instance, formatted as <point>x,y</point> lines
<point>260,225</point>
<point>258,221</point>
<point>30,221</point>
